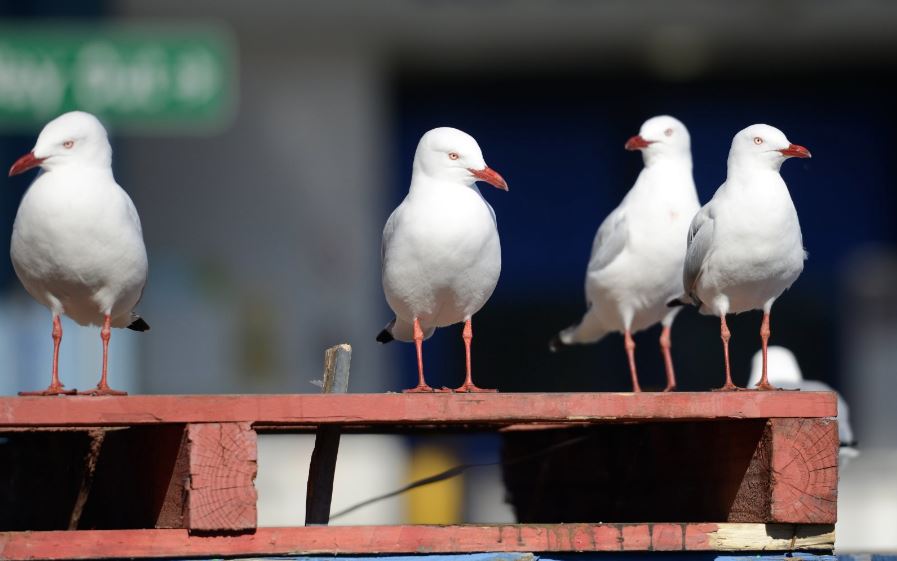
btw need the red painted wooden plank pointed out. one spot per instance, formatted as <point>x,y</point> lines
<point>804,471</point>
<point>221,494</point>
<point>418,409</point>
<point>332,540</point>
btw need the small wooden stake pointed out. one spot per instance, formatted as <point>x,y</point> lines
<point>90,467</point>
<point>323,460</point>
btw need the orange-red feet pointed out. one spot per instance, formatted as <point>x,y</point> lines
<point>665,345</point>
<point>103,387</point>
<point>468,386</point>
<point>764,384</point>
<point>728,387</point>
<point>51,390</point>
<point>420,388</point>
<point>471,388</point>
<point>765,387</point>
<point>630,355</point>
<point>102,390</point>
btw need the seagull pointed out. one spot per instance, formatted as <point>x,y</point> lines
<point>785,373</point>
<point>745,246</point>
<point>638,252</point>
<point>77,245</point>
<point>440,252</point>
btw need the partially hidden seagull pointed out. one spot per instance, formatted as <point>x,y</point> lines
<point>77,245</point>
<point>440,253</point>
<point>638,252</point>
<point>785,373</point>
<point>745,246</point>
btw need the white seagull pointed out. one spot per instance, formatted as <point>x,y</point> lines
<point>77,245</point>
<point>638,252</point>
<point>745,246</point>
<point>785,373</point>
<point>441,254</point>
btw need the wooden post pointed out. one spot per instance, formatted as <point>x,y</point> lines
<point>323,460</point>
<point>222,495</point>
<point>90,467</point>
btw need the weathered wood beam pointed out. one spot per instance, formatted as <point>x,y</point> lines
<point>489,410</point>
<point>369,540</point>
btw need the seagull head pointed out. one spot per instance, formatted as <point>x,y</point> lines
<point>764,146</point>
<point>660,137</point>
<point>72,138</point>
<point>452,155</point>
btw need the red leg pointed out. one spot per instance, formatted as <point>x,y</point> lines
<point>725,335</point>
<point>469,386</point>
<point>665,345</point>
<point>764,339</point>
<point>630,353</point>
<point>55,387</point>
<point>419,343</point>
<point>103,387</point>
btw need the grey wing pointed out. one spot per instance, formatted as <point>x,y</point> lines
<point>700,236</point>
<point>609,241</point>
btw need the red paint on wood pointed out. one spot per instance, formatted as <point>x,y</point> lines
<point>366,540</point>
<point>667,537</point>
<point>696,536</point>
<point>221,494</point>
<point>416,409</point>
<point>636,537</point>
<point>804,477</point>
<point>333,540</point>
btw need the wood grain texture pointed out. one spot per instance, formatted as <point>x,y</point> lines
<point>804,470</point>
<point>221,494</point>
<point>334,540</point>
<point>371,410</point>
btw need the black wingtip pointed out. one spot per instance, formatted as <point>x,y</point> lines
<point>139,325</point>
<point>385,337</point>
<point>556,344</point>
<point>675,303</point>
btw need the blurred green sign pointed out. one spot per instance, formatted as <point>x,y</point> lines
<point>166,78</point>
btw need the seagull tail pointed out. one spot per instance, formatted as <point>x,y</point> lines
<point>385,336</point>
<point>557,343</point>
<point>683,300</point>
<point>585,332</point>
<point>138,324</point>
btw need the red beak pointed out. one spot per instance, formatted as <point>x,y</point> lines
<point>25,163</point>
<point>637,143</point>
<point>795,151</point>
<point>490,176</point>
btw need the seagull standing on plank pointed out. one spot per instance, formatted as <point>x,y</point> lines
<point>77,245</point>
<point>745,246</point>
<point>638,252</point>
<point>441,254</point>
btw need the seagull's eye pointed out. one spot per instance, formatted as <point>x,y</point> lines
<point>758,140</point>
<point>668,132</point>
<point>68,144</point>
<point>453,156</point>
